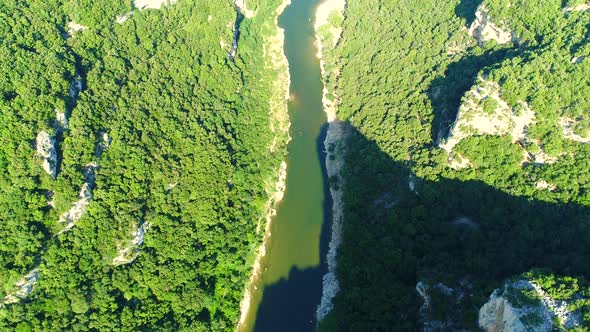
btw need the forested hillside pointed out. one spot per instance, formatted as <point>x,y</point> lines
<point>466,161</point>
<point>134,162</point>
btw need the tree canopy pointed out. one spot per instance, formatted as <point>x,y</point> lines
<point>167,136</point>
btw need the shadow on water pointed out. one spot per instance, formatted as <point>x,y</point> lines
<point>295,314</point>
<point>290,304</point>
<point>446,231</point>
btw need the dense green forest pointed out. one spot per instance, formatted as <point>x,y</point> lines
<point>466,161</point>
<point>139,148</point>
<point>155,143</point>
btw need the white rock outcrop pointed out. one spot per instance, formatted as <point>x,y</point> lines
<point>412,183</point>
<point>72,216</point>
<point>484,112</point>
<point>458,161</point>
<point>579,8</point>
<point>534,310</point>
<point>45,146</point>
<point>578,59</point>
<point>129,253</point>
<point>325,11</point>
<point>242,11</point>
<point>465,222</point>
<point>61,121</point>
<point>23,288</point>
<point>558,309</point>
<point>474,119</point>
<point>74,28</point>
<point>105,142</point>
<point>458,45</point>
<point>544,185</point>
<point>539,157</point>
<point>498,315</point>
<point>231,47</point>
<point>483,29</point>
<point>335,136</point>
<point>120,19</point>
<point>152,4</point>
<point>422,289</point>
<point>567,126</point>
<point>243,8</point>
<point>75,213</point>
<point>46,149</point>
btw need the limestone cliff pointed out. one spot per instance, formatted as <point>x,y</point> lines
<point>484,30</point>
<point>524,305</point>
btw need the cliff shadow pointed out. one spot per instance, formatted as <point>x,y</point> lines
<point>400,229</point>
<point>466,9</point>
<point>285,304</point>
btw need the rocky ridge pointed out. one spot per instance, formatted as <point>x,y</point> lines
<point>483,112</point>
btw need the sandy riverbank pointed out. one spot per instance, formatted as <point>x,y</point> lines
<point>335,139</point>
<point>279,124</point>
<point>322,18</point>
<point>276,197</point>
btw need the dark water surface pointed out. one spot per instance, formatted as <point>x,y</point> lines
<point>290,286</point>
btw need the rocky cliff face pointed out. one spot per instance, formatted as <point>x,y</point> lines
<point>534,301</point>
<point>23,288</point>
<point>498,314</point>
<point>45,146</point>
<point>127,254</point>
<point>75,213</point>
<point>328,32</point>
<point>523,305</point>
<point>484,112</point>
<point>483,29</point>
<point>243,8</point>
<point>46,149</point>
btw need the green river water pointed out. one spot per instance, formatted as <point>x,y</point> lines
<point>289,288</point>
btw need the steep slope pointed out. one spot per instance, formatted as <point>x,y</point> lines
<point>538,301</point>
<point>137,160</point>
<point>465,163</point>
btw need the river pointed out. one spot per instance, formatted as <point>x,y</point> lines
<point>289,288</point>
